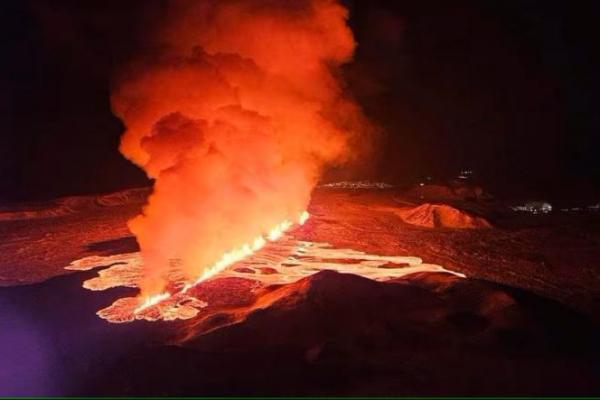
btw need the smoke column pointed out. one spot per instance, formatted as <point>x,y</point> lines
<point>234,110</point>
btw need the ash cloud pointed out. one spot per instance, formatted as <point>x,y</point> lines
<point>234,113</point>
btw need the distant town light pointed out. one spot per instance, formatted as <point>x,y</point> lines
<point>534,207</point>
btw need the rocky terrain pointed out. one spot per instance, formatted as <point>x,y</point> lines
<point>523,320</point>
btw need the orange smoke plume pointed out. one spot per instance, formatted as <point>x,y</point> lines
<point>235,117</point>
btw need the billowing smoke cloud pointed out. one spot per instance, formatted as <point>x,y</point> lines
<point>235,117</point>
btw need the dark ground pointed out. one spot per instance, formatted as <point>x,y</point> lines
<point>523,323</point>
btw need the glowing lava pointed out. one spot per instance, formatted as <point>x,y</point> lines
<point>225,261</point>
<point>303,217</point>
<point>279,262</point>
<point>152,301</point>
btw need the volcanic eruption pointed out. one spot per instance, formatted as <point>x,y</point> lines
<point>233,108</point>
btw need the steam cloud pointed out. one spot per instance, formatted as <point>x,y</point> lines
<point>234,117</point>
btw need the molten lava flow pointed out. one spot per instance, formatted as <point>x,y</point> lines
<point>276,232</point>
<point>152,301</point>
<point>303,217</point>
<point>226,260</point>
<point>234,111</point>
<point>282,262</point>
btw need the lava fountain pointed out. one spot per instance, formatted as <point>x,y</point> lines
<point>233,108</point>
<point>229,258</point>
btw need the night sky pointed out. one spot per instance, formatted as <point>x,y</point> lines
<point>507,88</point>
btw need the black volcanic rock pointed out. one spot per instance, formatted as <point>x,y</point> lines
<point>333,333</point>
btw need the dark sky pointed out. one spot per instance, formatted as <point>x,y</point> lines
<point>508,88</point>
